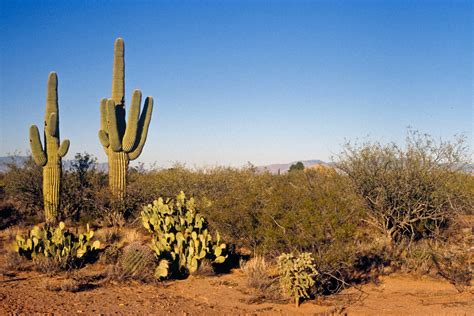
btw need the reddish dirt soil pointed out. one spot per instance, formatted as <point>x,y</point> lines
<point>26,293</point>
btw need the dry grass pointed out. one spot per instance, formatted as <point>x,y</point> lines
<point>256,270</point>
<point>109,235</point>
<point>115,218</point>
<point>205,269</point>
<point>70,285</point>
<point>67,285</point>
<point>46,265</point>
<point>259,277</point>
<point>14,262</point>
<point>111,254</point>
<point>130,236</point>
<point>11,232</point>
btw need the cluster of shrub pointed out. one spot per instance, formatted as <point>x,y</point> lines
<point>380,207</point>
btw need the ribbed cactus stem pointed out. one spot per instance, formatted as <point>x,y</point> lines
<point>49,156</point>
<point>118,165</point>
<point>118,76</point>
<point>51,183</point>
<point>122,141</point>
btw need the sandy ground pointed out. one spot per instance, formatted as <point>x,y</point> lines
<point>27,292</point>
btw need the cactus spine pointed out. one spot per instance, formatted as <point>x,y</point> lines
<point>122,141</point>
<point>49,156</point>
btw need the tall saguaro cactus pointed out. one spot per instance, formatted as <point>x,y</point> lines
<point>49,156</point>
<point>122,141</point>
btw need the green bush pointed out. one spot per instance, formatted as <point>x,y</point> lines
<point>409,192</point>
<point>81,188</point>
<point>23,187</point>
<point>296,167</point>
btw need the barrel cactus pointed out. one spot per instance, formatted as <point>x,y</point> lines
<point>58,243</point>
<point>180,236</point>
<point>122,141</point>
<point>49,155</point>
<point>136,262</point>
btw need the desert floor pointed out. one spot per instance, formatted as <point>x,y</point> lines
<point>27,292</point>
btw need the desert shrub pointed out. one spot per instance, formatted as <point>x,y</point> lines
<point>8,214</point>
<point>23,186</point>
<point>70,285</point>
<point>407,191</point>
<point>267,213</point>
<point>85,194</point>
<point>180,237</point>
<point>455,265</point>
<point>67,285</point>
<point>256,270</point>
<point>296,167</point>
<point>47,265</point>
<point>296,275</point>
<point>462,186</point>
<point>58,245</point>
<point>262,278</point>
<point>111,253</point>
<point>14,262</point>
<point>313,211</point>
<point>80,188</point>
<point>205,269</point>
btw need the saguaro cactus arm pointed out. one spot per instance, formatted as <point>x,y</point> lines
<point>142,131</point>
<point>132,123</point>
<point>112,126</point>
<point>104,139</point>
<point>103,132</point>
<point>37,151</point>
<point>63,149</point>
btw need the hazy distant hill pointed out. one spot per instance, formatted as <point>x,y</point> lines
<point>273,168</point>
<point>19,160</point>
<point>283,167</point>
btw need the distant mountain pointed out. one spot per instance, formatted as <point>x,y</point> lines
<point>19,160</point>
<point>284,167</point>
<point>272,168</point>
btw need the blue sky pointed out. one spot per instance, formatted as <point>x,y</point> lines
<point>238,81</point>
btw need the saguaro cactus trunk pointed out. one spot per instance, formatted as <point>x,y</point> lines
<point>49,156</point>
<point>122,141</point>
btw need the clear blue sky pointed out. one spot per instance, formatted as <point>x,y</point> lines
<point>238,81</point>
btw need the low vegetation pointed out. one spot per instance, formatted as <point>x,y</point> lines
<point>379,209</point>
<point>297,274</point>
<point>180,237</point>
<point>58,245</point>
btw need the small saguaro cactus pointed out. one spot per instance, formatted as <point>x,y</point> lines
<point>122,141</point>
<point>49,156</point>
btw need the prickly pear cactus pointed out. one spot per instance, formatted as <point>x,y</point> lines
<point>49,156</point>
<point>296,275</point>
<point>122,141</point>
<point>180,236</point>
<point>58,243</point>
<point>137,261</point>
